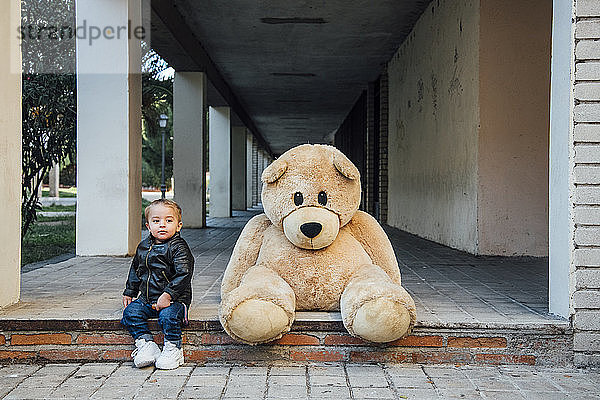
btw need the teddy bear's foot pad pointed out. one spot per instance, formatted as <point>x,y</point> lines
<point>381,320</point>
<point>258,321</point>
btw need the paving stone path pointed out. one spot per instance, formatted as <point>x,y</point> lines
<point>295,381</point>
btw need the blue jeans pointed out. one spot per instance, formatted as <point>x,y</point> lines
<point>136,315</point>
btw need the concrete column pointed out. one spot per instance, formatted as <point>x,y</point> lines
<point>219,127</point>
<point>10,154</point>
<point>238,168</point>
<point>261,168</point>
<point>54,180</point>
<point>249,185</point>
<point>189,146</point>
<point>109,150</point>
<point>561,141</point>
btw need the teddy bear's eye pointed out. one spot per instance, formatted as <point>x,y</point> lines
<point>322,198</point>
<point>298,199</point>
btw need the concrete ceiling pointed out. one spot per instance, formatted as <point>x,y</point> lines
<point>296,67</point>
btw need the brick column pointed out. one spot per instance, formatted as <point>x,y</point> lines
<point>383,147</point>
<point>585,188</point>
<point>255,174</point>
<point>10,154</point>
<point>369,148</point>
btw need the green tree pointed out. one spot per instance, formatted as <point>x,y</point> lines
<point>48,95</point>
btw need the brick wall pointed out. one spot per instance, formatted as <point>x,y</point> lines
<point>426,346</point>
<point>255,177</point>
<point>585,190</point>
<point>383,147</point>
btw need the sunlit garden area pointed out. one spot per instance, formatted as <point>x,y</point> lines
<point>49,106</point>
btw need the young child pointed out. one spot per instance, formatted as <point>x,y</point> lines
<point>161,273</point>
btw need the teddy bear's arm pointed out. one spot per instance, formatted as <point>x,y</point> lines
<point>374,240</point>
<point>244,253</point>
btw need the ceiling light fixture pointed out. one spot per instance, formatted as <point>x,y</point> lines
<point>293,20</point>
<point>301,74</point>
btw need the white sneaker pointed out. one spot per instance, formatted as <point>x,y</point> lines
<point>170,358</point>
<point>145,353</point>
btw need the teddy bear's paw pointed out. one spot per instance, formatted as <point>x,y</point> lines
<point>381,320</point>
<point>258,321</point>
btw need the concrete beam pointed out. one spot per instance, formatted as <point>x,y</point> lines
<point>189,146</point>
<point>219,127</point>
<point>167,11</point>
<point>10,155</point>
<point>109,143</point>
<point>238,168</point>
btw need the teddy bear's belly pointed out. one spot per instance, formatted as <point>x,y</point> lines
<point>318,277</point>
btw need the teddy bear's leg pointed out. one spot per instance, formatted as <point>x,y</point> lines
<point>375,308</point>
<point>261,309</point>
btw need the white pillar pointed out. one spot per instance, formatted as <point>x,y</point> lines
<point>255,174</point>
<point>54,181</point>
<point>219,127</point>
<point>249,138</point>
<point>109,151</point>
<point>238,168</point>
<point>189,146</point>
<point>561,227</point>
<point>10,154</point>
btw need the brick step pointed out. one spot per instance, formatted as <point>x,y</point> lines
<point>309,340</point>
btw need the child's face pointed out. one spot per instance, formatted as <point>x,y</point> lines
<point>162,222</point>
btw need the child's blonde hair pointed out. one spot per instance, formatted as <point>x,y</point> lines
<point>167,203</point>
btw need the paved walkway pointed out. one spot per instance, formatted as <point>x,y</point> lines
<point>295,381</point>
<point>451,288</point>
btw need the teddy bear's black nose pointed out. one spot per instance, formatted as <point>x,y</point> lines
<point>311,229</point>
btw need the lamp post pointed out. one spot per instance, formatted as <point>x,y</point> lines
<point>162,122</point>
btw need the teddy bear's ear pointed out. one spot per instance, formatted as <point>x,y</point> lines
<point>274,171</point>
<point>345,166</point>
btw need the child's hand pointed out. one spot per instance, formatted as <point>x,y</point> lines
<point>127,300</point>
<point>164,301</point>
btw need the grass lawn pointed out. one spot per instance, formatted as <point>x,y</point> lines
<point>45,241</point>
<point>63,192</point>
<point>57,207</point>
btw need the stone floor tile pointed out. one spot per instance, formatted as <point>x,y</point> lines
<point>27,392</point>
<point>289,392</point>
<point>418,394</point>
<point>207,380</point>
<point>329,392</point>
<point>364,370</point>
<point>460,393</point>
<point>501,395</point>
<point>368,381</point>
<point>534,395</point>
<point>252,391</point>
<point>404,371</point>
<point>326,369</point>
<point>211,370</point>
<point>493,384</point>
<point>201,392</point>
<point>372,393</point>
<point>252,380</point>
<point>287,370</point>
<point>452,383</point>
<point>115,392</point>
<point>246,370</point>
<point>421,382</point>
<point>439,371</point>
<point>327,380</point>
<point>287,380</point>
<point>181,371</point>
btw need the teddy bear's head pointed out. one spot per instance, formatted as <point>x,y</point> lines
<point>311,191</point>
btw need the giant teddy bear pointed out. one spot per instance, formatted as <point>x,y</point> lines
<point>313,249</point>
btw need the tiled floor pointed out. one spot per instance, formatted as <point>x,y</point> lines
<point>450,287</point>
<point>295,381</point>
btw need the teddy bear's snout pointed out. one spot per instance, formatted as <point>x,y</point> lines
<point>311,229</point>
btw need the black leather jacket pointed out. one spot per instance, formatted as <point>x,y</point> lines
<point>161,267</point>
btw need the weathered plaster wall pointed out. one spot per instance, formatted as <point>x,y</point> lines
<point>514,104</point>
<point>433,122</point>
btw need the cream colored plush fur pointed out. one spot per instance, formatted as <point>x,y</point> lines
<point>319,253</point>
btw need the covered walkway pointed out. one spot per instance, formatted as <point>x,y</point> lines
<point>451,288</point>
